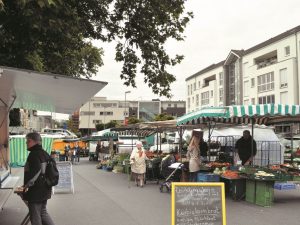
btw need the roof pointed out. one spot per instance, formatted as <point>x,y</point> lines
<point>45,91</point>
<point>245,52</point>
<point>273,39</point>
<point>211,67</point>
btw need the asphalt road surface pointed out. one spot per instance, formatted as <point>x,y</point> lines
<point>107,198</point>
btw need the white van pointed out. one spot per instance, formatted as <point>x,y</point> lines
<point>63,132</point>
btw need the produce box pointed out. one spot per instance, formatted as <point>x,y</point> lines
<point>250,191</point>
<point>284,186</point>
<point>208,177</point>
<point>296,178</point>
<point>264,195</point>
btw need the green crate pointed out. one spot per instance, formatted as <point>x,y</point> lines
<point>250,191</point>
<point>296,178</point>
<point>264,195</point>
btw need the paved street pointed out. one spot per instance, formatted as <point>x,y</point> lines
<point>107,198</point>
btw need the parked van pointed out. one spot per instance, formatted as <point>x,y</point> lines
<point>65,133</point>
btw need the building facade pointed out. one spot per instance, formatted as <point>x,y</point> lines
<point>265,73</point>
<point>101,110</point>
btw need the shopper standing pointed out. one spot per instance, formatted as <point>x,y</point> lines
<point>138,164</point>
<point>36,193</point>
<point>193,155</point>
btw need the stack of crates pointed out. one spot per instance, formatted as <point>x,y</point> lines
<point>260,192</point>
<point>208,177</point>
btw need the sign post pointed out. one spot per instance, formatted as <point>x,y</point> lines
<point>65,182</point>
<point>198,203</point>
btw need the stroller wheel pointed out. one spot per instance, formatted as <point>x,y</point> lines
<point>161,188</point>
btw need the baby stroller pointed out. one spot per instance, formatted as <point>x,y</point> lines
<point>171,171</point>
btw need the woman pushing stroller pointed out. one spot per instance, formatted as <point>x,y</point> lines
<point>138,164</point>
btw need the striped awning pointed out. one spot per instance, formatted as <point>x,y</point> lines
<point>203,115</point>
<point>18,151</point>
<point>244,114</point>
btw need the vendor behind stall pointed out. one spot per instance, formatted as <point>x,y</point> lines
<point>243,146</point>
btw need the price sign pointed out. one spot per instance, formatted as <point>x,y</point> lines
<point>198,204</point>
<point>65,182</point>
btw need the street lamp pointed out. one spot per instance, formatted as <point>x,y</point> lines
<point>125,114</point>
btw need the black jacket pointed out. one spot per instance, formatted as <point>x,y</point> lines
<point>38,191</point>
<point>244,149</point>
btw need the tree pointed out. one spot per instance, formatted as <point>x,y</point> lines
<point>163,117</point>
<point>56,36</point>
<point>110,124</point>
<point>133,120</point>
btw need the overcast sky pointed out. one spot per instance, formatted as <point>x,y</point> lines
<point>218,26</point>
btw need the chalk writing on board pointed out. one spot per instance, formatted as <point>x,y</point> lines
<point>65,181</point>
<point>198,205</point>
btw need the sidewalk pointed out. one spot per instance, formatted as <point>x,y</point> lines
<point>107,198</point>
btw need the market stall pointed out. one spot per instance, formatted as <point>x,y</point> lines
<point>260,180</point>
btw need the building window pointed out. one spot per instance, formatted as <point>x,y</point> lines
<point>169,105</point>
<point>253,101</point>
<point>188,90</point>
<point>287,50</point>
<point>246,88</point>
<point>199,84</point>
<point>97,121</point>
<point>195,86</point>
<point>106,113</point>
<point>191,89</point>
<point>175,105</point>
<point>265,82</point>
<point>211,94</point>
<point>246,102</point>
<point>205,98</point>
<point>197,100</point>
<point>221,92</point>
<point>283,78</point>
<point>266,99</point>
<point>188,102</point>
<point>221,78</point>
<point>87,113</point>
<point>252,82</point>
<point>284,97</point>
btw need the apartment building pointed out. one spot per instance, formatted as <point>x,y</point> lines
<point>101,110</point>
<point>265,73</point>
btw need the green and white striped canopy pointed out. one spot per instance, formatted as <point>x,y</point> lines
<point>18,151</point>
<point>243,114</point>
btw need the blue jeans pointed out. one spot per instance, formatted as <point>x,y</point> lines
<point>38,213</point>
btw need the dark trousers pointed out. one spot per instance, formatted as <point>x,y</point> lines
<point>38,213</point>
<point>193,176</point>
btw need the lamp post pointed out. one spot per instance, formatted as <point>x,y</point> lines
<point>125,113</point>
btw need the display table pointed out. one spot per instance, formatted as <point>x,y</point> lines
<point>235,187</point>
<point>260,192</point>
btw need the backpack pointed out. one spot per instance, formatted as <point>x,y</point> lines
<point>51,174</point>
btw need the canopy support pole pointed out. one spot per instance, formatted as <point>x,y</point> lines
<point>252,134</point>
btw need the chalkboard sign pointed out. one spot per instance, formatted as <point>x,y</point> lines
<point>198,204</point>
<point>65,183</point>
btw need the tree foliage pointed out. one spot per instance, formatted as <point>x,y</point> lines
<point>56,36</point>
<point>110,124</point>
<point>134,120</point>
<point>163,117</point>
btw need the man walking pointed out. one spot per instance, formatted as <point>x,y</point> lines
<point>36,192</point>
